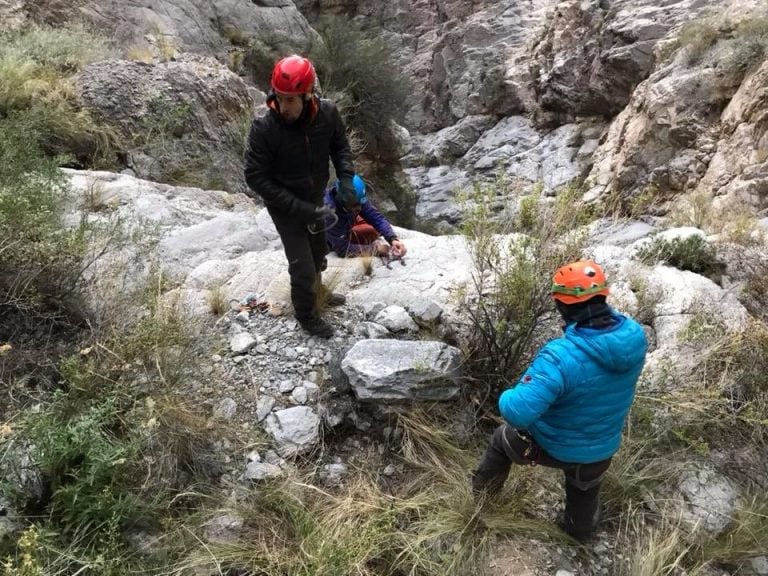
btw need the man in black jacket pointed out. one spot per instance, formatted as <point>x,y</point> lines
<point>286,163</point>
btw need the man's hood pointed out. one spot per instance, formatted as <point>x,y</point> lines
<point>618,348</point>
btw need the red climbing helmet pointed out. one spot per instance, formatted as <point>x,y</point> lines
<point>578,282</point>
<point>293,75</point>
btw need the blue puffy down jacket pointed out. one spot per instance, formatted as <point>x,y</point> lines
<point>576,394</point>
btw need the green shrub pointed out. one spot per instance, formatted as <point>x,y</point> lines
<point>85,464</point>
<point>736,47</point>
<point>703,328</point>
<point>61,49</point>
<point>41,258</point>
<point>509,298</point>
<point>747,47</point>
<point>36,91</point>
<point>697,38</point>
<point>258,60</point>
<point>693,253</point>
<point>373,89</point>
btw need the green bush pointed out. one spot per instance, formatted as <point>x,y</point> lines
<point>85,464</point>
<point>509,297</point>
<point>36,90</point>
<point>748,46</point>
<point>697,38</point>
<point>63,50</point>
<point>373,89</point>
<point>117,452</point>
<point>258,60</point>
<point>736,47</point>
<point>41,258</point>
<point>693,253</point>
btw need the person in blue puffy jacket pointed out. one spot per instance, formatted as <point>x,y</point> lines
<point>358,228</point>
<point>568,409</point>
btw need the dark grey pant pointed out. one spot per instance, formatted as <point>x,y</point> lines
<point>582,481</point>
<point>306,259</point>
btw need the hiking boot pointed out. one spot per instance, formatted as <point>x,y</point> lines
<point>486,486</point>
<point>317,327</point>
<point>584,532</point>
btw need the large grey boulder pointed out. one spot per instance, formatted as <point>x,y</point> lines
<point>710,500</point>
<point>513,148</point>
<point>403,370</point>
<point>591,55</point>
<point>609,232</point>
<point>527,156</point>
<point>182,121</point>
<point>680,297</point>
<point>448,144</point>
<point>664,138</point>
<point>438,189</point>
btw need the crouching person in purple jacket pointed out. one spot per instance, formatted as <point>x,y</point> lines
<point>359,228</point>
<point>567,411</point>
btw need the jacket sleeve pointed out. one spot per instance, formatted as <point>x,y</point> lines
<point>534,393</point>
<point>259,157</point>
<point>376,219</point>
<point>341,154</point>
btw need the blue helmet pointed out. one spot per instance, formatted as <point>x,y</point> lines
<point>359,186</point>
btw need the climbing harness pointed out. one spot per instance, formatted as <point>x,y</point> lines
<point>532,450</point>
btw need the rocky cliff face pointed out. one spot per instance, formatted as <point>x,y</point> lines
<point>195,26</point>
<point>542,91</point>
<point>504,87</point>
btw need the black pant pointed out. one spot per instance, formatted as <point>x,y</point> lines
<point>582,481</point>
<point>306,258</point>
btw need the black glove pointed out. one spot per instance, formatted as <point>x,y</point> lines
<point>304,211</point>
<point>324,213</point>
<point>325,217</point>
<point>347,193</point>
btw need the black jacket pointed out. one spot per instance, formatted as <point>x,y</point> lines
<point>287,164</point>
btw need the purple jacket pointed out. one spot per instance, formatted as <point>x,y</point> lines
<point>337,235</point>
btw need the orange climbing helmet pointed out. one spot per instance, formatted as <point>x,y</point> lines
<point>293,75</point>
<point>578,282</point>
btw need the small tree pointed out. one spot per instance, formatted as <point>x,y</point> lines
<point>373,90</point>
<point>508,301</point>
